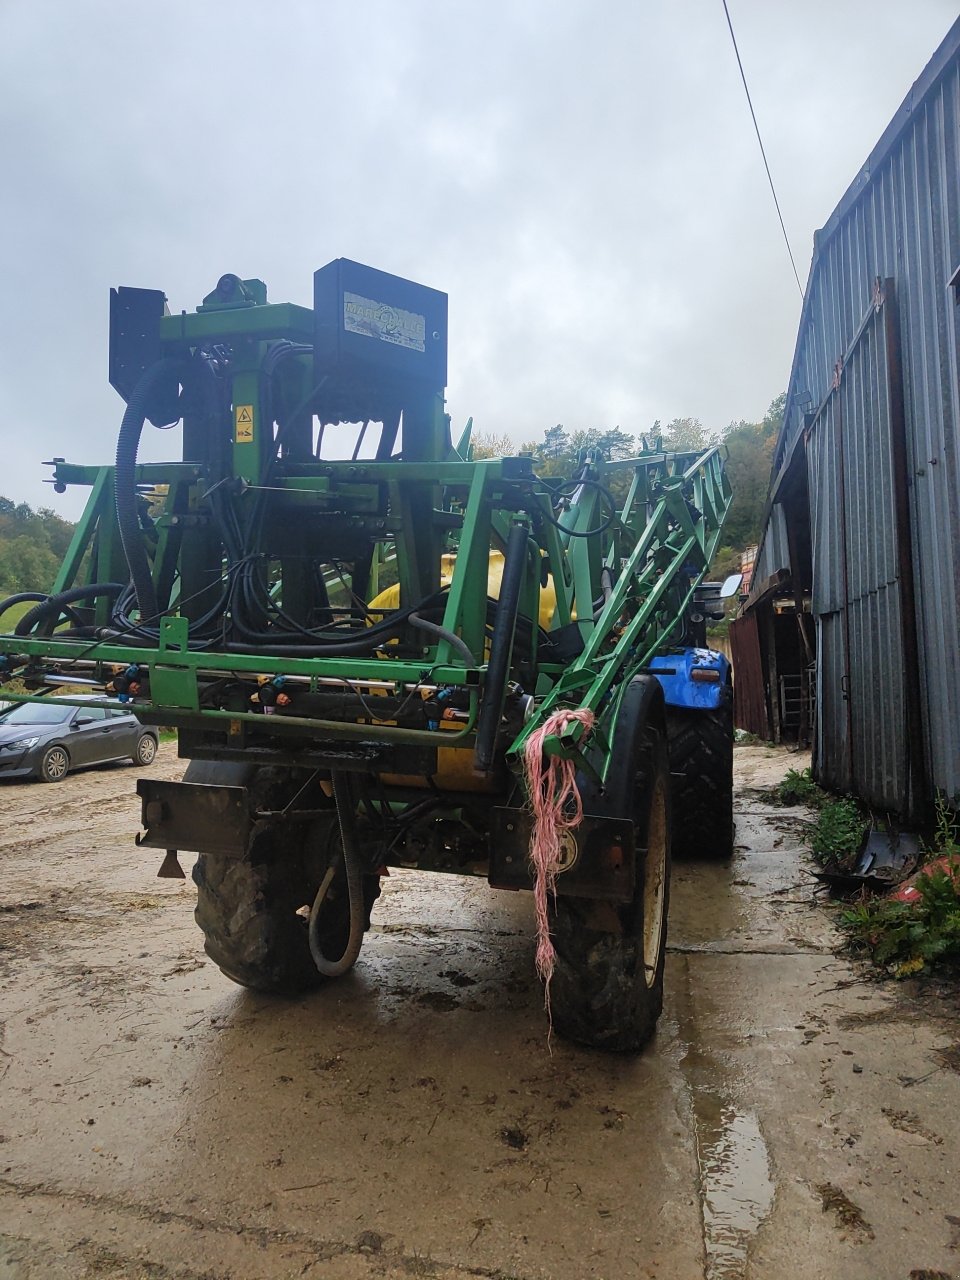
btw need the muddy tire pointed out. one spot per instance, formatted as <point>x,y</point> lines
<point>701,780</point>
<point>252,908</point>
<point>55,765</point>
<point>607,988</point>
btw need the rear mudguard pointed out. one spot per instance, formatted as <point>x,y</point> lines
<point>692,678</point>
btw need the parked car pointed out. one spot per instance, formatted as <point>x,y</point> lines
<point>47,740</point>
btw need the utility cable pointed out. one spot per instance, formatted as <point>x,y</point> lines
<point>773,190</point>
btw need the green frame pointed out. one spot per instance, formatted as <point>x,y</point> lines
<point>656,546</point>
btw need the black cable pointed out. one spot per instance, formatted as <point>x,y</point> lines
<point>773,190</point>
<point>573,485</point>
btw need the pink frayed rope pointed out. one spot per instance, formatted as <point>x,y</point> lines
<point>557,807</point>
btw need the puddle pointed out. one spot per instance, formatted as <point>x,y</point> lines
<point>736,1188</point>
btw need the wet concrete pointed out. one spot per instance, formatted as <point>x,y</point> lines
<point>790,1120</point>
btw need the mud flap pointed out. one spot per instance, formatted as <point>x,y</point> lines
<point>194,816</point>
<point>600,856</point>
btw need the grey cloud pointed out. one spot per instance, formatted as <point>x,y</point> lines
<point>582,180</point>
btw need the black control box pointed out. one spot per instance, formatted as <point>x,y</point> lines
<point>375,327</point>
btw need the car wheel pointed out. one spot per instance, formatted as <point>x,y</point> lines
<point>55,765</point>
<point>146,749</point>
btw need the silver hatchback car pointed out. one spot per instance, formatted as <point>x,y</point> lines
<point>47,740</point>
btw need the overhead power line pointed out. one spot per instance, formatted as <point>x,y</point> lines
<point>773,190</point>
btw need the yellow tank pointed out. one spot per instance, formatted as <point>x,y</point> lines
<point>389,598</point>
<point>455,770</point>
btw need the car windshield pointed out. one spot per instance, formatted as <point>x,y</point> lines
<point>35,713</point>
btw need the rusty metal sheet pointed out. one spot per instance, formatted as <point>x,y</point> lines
<point>750,711</point>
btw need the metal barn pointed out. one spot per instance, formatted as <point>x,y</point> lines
<point>850,635</point>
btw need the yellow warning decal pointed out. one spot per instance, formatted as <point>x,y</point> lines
<point>243,424</point>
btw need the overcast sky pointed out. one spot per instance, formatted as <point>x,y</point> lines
<point>581,178</point>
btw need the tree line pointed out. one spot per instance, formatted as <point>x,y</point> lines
<point>32,546</point>
<point>33,543</point>
<point>749,451</point>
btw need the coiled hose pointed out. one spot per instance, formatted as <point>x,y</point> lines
<point>125,480</point>
<point>353,867</point>
<point>54,606</point>
<point>36,597</point>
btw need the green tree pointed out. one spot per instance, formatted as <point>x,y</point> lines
<point>556,441</point>
<point>749,448</point>
<point>32,545</point>
<point>616,445</point>
<point>486,444</point>
<point>749,453</point>
<point>686,435</point>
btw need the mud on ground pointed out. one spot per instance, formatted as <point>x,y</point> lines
<point>792,1119</point>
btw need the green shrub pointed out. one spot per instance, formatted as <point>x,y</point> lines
<point>798,787</point>
<point>838,831</point>
<point>946,839</point>
<point>911,936</point>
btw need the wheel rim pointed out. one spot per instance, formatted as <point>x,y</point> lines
<point>147,750</point>
<point>654,882</point>
<point>56,765</point>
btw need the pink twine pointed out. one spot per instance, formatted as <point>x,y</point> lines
<point>551,786</point>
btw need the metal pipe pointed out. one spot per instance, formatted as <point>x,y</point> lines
<point>917,799</point>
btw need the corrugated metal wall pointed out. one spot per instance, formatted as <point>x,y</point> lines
<point>899,220</point>
<point>861,745</point>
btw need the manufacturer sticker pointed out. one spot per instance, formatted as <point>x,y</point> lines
<point>243,424</point>
<point>568,853</point>
<point>385,323</point>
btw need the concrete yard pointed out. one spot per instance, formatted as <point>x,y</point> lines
<point>792,1119</point>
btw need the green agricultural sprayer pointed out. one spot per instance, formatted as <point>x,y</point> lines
<point>357,630</point>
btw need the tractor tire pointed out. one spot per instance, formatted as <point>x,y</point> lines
<point>607,987</point>
<point>252,908</point>
<point>701,778</point>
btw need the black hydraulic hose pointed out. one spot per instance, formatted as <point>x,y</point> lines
<point>54,605</point>
<point>442,633</point>
<point>125,480</point>
<point>573,485</point>
<point>36,597</point>
<point>353,868</point>
<point>363,640</point>
<point>501,649</point>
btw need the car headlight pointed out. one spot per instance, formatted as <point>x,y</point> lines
<point>22,744</point>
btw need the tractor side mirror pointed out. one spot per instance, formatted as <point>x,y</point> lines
<point>730,585</point>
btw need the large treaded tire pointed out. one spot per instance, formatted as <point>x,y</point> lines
<point>250,907</point>
<point>701,780</point>
<point>601,994</point>
<point>247,912</point>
